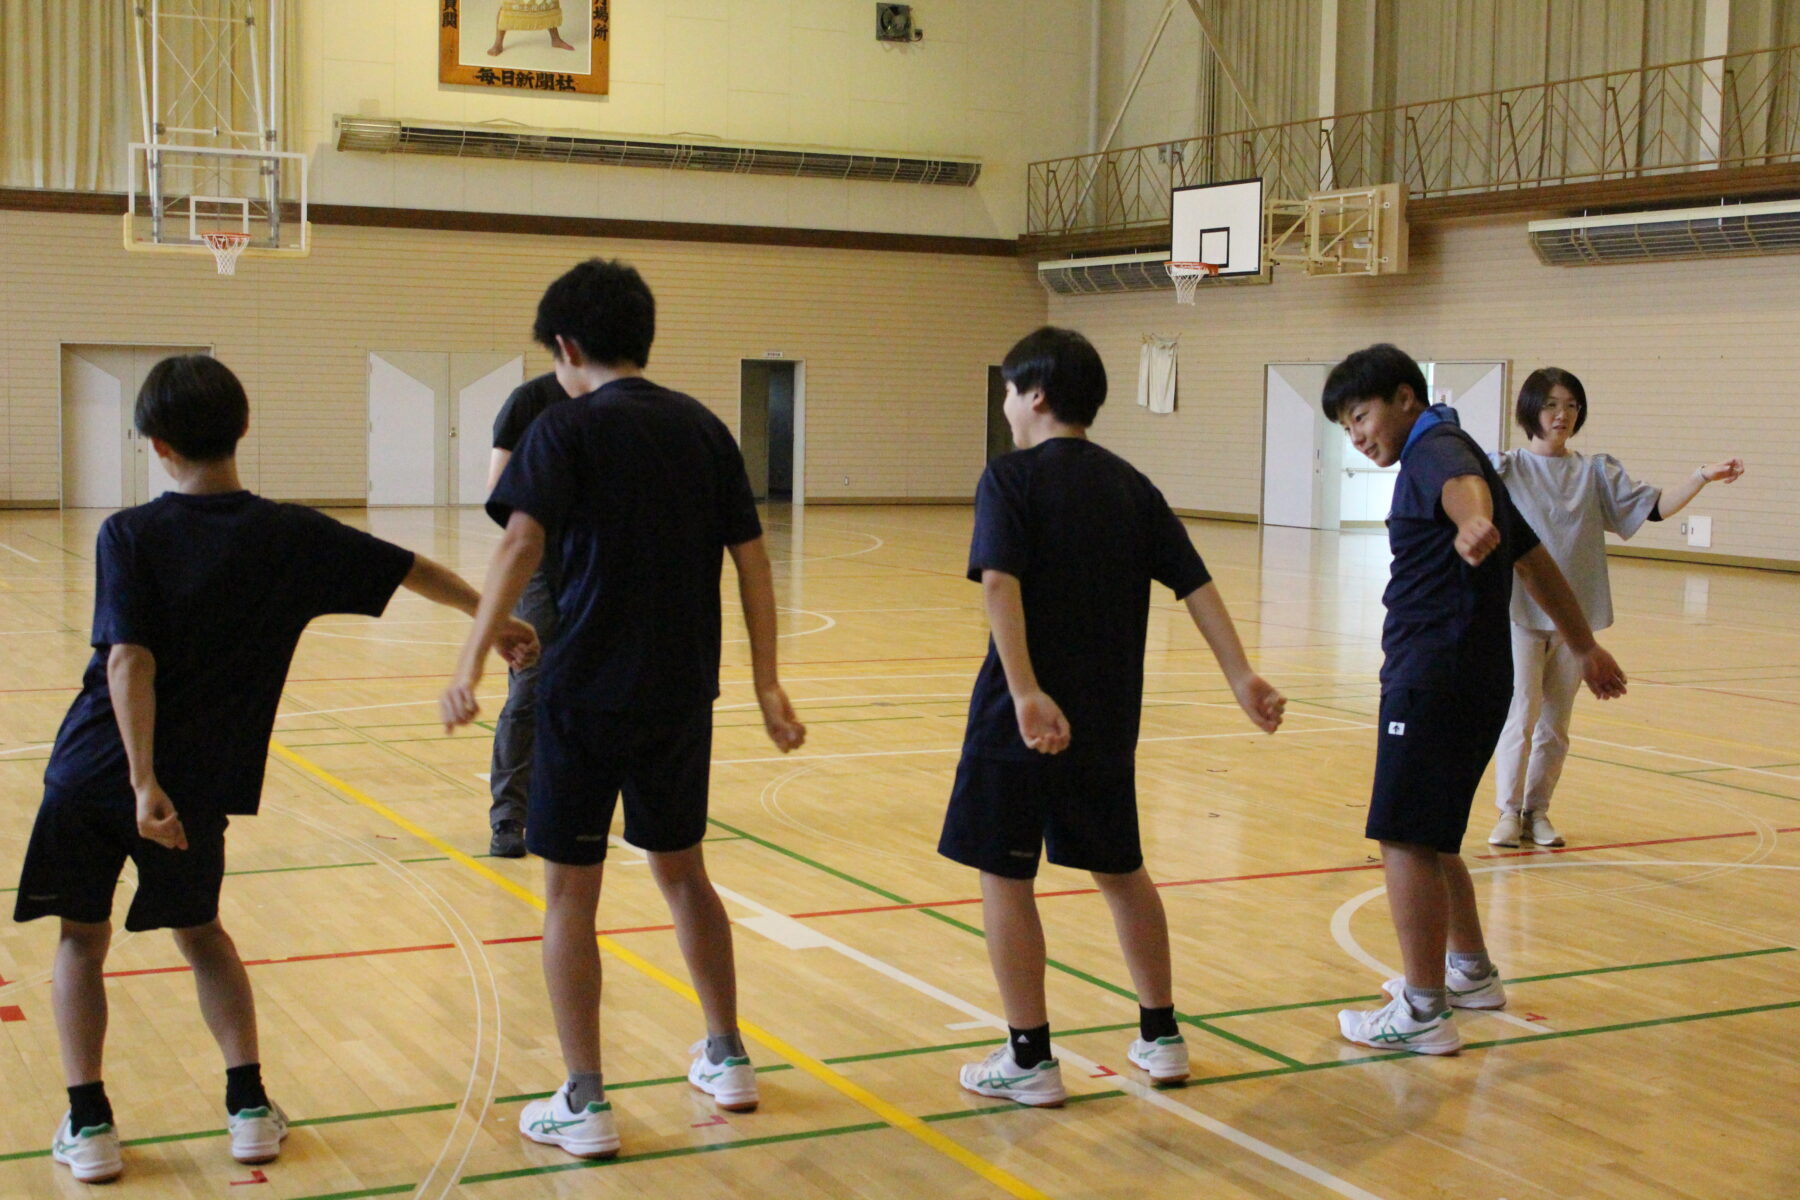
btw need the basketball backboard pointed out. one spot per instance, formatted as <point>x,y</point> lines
<point>1220,223</point>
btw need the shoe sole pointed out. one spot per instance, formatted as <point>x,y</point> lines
<point>1444,1052</point>
<point>736,1106</point>
<point>80,1178</point>
<point>992,1094</point>
<point>1553,842</point>
<point>1160,1080</point>
<point>598,1152</point>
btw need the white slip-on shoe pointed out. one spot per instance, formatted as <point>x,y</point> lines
<point>1393,1027</point>
<point>731,1084</point>
<point>1165,1059</point>
<point>90,1153</point>
<point>257,1133</point>
<point>590,1133</point>
<point>1000,1076</point>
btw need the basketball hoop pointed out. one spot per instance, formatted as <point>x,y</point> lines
<point>226,247</point>
<point>1187,277</point>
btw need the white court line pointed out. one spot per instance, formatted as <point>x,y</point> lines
<point>769,919</point>
<point>319,712</point>
<point>20,553</point>
<point>1711,762</point>
<point>26,749</point>
<point>1178,737</point>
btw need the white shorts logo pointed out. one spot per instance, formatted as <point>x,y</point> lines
<point>1397,728</point>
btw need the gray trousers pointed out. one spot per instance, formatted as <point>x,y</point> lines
<point>516,730</point>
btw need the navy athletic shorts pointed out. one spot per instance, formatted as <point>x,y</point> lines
<point>583,761</point>
<point>80,844</point>
<point>1431,751</point>
<point>1080,813</point>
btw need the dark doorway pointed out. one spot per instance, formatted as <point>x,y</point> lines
<point>766,427</point>
<point>999,433</point>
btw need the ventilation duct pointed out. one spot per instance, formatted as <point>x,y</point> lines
<point>1123,273</point>
<point>386,136</point>
<point>1725,231</point>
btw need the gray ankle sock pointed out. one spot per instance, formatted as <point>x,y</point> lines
<point>722,1046</point>
<point>1473,966</point>
<point>1427,1003</point>
<point>584,1088</point>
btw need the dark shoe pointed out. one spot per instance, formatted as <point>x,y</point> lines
<point>508,840</point>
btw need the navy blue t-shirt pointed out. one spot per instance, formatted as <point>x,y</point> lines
<point>1084,532</point>
<point>525,405</point>
<point>642,488</point>
<point>218,588</point>
<point>1447,626</point>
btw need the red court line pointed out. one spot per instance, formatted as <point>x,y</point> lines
<point>297,958</point>
<point>1375,866</point>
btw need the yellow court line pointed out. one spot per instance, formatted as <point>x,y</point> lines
<point>890,1113</point>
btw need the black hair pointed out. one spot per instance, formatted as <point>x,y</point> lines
<point>1372,374</point>
<point>1535,391</point>
<point>603,307</point>
<point>1062,364</point>
<point>195,404</point>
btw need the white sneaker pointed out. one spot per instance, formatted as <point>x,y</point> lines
<point>1506,831</point>
<point>731,1084</point>
<point>1393,1027</point>
<point>1542,831</point>
<point>92,1155</point>
<point>257,1133</point>
<point>1464,992</point>
<point>1166,1059</point>
<point>590,1133</point>
<point>1000,1076</point>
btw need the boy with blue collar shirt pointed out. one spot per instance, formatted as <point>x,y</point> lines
<point>1068,538</point>
<point>201,597</point>
<point>645,492</point>
<point>1446,684</point>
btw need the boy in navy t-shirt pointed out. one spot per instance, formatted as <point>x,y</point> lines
<point>1068,538</point>
<point>643,490</point>
<point>1446,684</point>
<point>202,595</point>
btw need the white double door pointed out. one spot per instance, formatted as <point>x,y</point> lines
<point>431,421</point>
<point>105,464</point>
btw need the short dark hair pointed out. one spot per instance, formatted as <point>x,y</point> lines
<point>604,307</point>
<point>1372,374</point>
<point>195,404</point>
<point>1536,390</point>
<point>1062,364</point>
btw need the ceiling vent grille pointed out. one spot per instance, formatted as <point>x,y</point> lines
<point>387,136</point>
<point>1726,231</point>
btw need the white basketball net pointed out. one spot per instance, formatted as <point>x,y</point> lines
<point>1187,277</point>
<point>226,247</point>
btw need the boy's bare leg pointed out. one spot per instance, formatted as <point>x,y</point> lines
<point>223,986</point>
<point>703,931</point>
<point>1143,929</point>
<point>499,42</point>
<point>1015,944</point>
<point>556,40</point>
<point>1464,928</point>
<point>78,994</point>
<point>1418,898</point>
<point>572,961</point>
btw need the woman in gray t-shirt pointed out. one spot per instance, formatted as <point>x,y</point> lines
<point>1572,501</point>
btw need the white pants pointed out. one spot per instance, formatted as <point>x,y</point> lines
<point>1529,759</point>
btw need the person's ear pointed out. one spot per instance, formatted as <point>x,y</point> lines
<point>568,351</point>
<point>1039,402</point>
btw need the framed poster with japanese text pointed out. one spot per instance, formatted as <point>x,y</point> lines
<point>532,45</point>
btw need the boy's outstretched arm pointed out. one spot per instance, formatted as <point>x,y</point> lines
<point>1041,721</point>
<point>1255,695</point>
<point>521,549</point>
<point>131,678</point>
<point>756,591</point>
<point>1468,502</point>
<point>1544,580</point>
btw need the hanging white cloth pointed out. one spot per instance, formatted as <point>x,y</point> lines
<point>1156,374</point>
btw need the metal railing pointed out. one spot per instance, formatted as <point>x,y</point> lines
<point>1729,111</point>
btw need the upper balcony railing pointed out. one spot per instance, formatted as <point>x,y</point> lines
<point>1731,111</point>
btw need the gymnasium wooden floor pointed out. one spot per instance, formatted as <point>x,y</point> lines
<point>1649,1051</point>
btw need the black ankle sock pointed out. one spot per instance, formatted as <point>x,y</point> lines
<point>1029,1046</point>
<point>88,1106</point>
<point>1156,1023</point>
<point>244,1088</point>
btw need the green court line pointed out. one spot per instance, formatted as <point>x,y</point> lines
<point>1735,787</point>
<point>306,867</point>
<point>816,865</point>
